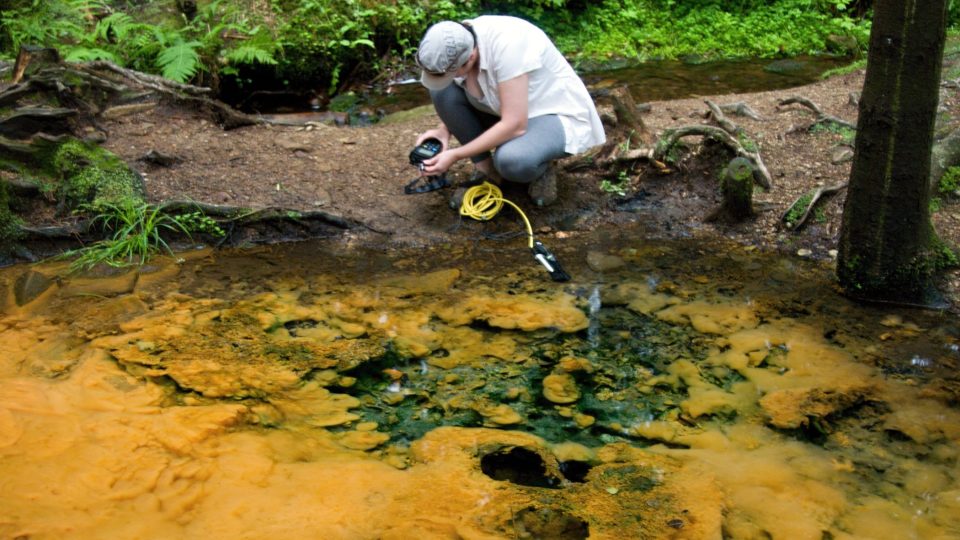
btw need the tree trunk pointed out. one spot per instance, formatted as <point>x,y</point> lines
<point>887,244</point>
<point>628,115</point>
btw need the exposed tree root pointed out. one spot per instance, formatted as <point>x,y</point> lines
<point>798,212</point>
<point>118,83</point>
<point>727,134</point>
<point>241,215</point>
<point>627,126</point>
<point>228,217</point>
<point>673,136</point>
<point>821,118</point>
<point>740,108</point>
<point>164,86</point>
<point>717,114</point>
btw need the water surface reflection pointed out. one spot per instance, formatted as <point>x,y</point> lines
<point>313,391</point>
<point>665,79</point>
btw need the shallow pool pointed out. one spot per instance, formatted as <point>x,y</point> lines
<point>315,390</point>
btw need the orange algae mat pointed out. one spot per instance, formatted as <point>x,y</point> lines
<point>216,398</point>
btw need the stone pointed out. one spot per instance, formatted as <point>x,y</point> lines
<point>293,143</point>
<point>841,154</point>
<point>29,286</point>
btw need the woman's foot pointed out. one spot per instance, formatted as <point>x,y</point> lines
<point>543,190</point>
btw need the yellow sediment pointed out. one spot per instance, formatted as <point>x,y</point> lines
<point>188,417</point>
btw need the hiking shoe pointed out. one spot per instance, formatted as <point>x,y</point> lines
<point>456,200</point>
<point>543,190</point>
<point>478,177</point>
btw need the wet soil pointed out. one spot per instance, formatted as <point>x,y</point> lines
<point>358,174</point>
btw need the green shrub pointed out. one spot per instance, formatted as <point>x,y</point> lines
<point>323,43</point>
<point>221,37</point>
<point>616,187</point>
<point>323,40</point>
<point>950,181</point>
<point>638,30</point>
<point>43,22</point>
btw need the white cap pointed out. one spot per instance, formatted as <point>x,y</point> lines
<point>444,49</point>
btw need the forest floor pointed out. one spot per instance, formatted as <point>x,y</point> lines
<point>358,174</point>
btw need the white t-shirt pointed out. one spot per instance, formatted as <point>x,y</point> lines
<point>510,47</point>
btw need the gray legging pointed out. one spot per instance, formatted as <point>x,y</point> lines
<point>523,159</point>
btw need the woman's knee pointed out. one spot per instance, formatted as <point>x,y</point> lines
<point>517,166</point>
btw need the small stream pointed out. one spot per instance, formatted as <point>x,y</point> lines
<point>663,80</point>
<point>317,390</point>
<point>649,81</point>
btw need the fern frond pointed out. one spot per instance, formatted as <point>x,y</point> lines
<point>250,54</point>
<point>180,62</point>
<point>214,36</point>
<point>211,11</point>
<point>87,5</point>
<point>144,41</point>
<point>119,24</point>
<point>164,36</point>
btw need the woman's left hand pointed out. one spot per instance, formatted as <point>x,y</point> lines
<point>440,163</point>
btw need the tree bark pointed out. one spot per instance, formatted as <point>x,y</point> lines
<point>887,248</point>
<point>736,185</point>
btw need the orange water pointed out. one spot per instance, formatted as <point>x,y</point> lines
<point>315,391</point>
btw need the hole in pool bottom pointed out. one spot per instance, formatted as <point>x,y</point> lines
<point>519,466</point>
<point>548,523</point>
<point>575,471</point>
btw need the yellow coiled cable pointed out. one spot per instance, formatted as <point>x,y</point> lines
<point>484,201</point>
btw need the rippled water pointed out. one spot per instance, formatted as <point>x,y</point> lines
<point>312,390</point>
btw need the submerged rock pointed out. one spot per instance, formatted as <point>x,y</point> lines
<point>560,388</point>
<point>602,262</point>
<point>795,407</point>
<point>29,286</point>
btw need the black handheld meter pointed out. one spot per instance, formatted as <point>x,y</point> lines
<point>424,151</point>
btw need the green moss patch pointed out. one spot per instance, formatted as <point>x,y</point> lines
<point>92,175</point>
<point>10,232</point>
